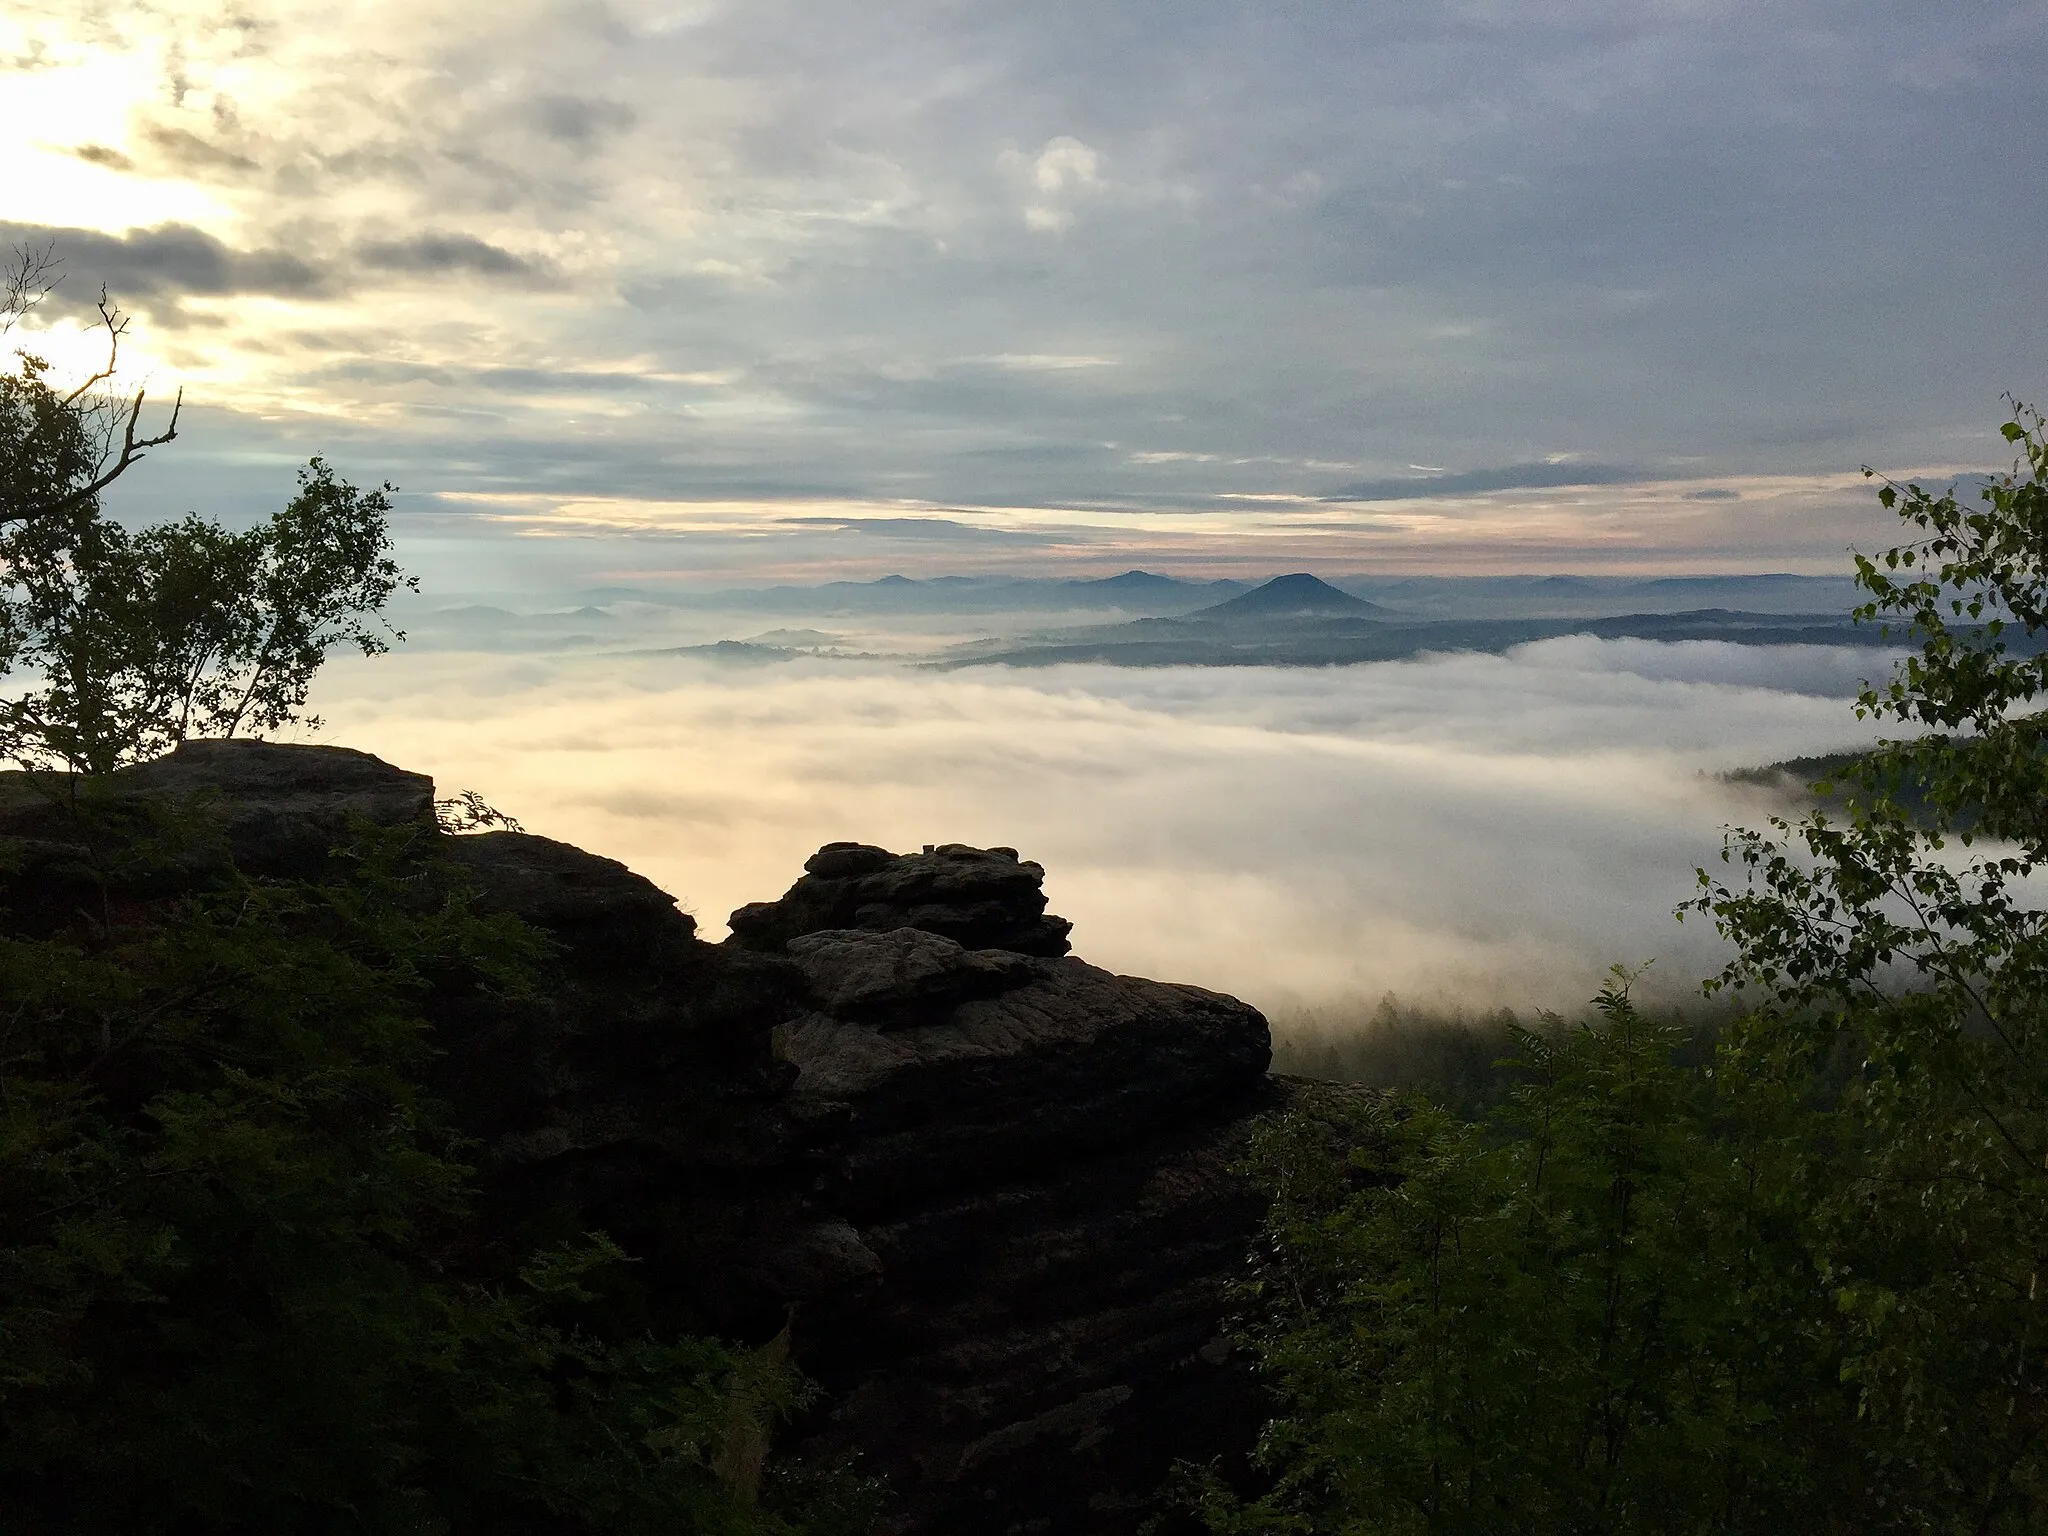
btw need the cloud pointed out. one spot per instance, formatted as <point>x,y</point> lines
<point>1465,828</point>
<point>165,264</point>
<point>1825,671</point>
<point>941,528</point>
<point>1514,477</point>
<point>435,254</point>
<point>580,120</point>
<point>100,154</point>
<point>1369,237</point>
<point>1062,171</point>
<point>1066,164</point>
<point>186,151</point>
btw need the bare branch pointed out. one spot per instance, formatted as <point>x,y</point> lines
<point>117,327</point>
<point>28,278</point>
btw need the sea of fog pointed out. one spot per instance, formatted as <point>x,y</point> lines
<point>1465,830</point>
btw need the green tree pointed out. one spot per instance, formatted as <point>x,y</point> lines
<point>1571,1319</point>
<point>1905,937</point>
<point>244,1286</point>
<point>137,639</point>
<point>140,639</point>
<point>1800,1289</point>
<point>59,450</point>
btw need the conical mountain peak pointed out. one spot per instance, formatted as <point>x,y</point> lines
<point>1289,597</point>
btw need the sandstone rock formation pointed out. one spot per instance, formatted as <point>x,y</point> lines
<point>982,898</point>
<point>986,1183</point>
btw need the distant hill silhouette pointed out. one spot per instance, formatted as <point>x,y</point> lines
<point>1288,597</point>
<point>1134,581</point>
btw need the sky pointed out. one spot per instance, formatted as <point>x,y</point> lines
<point>718,293</point>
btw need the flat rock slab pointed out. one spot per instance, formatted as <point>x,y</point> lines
<point>271,809</point>
<point>1074,1061</point>
<point>900,977</point>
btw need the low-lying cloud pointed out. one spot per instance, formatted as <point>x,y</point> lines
<point>1459,829</point>
<point>1830,671</point>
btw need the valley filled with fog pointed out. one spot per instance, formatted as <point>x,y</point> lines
<point>1463,829</point>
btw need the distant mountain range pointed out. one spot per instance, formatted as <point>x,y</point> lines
<point>1146,593</point>
<point>1596,596</point>
<point>1145,618</point>
<point>1298,620</point>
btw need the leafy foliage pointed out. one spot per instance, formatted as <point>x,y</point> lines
<point>241,1284</point>
<point>59,451</point>
<point>470,812</point>
<point>135,640</point>
<point>1462,1061</point>
<point>1567,1321</point>
<point>1915,944</point>
<point>1797,1289</point>
<point>1452,1056</point>
<point>140,639</point>
<point>47,449</point>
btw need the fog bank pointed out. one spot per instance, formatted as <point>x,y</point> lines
<point>1464,829</point>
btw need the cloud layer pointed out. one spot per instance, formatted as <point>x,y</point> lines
<point>1465,828</point>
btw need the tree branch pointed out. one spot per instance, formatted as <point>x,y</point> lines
<point>26,281</point>
<point>117,327</point>
<point>133,451</point>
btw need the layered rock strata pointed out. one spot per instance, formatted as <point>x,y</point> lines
<point>987,1185</point>
<point>981,898</point>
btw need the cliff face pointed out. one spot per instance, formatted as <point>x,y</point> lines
<point>984,1183</point>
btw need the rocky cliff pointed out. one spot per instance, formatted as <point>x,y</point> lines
<point>983,1183</point>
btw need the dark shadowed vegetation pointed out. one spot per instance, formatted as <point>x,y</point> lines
<point>1797,1286</point>
<point>1462,1060</point>
<point>1452,1056</point>
<point>1831,780</point>
<point>244,1285</point>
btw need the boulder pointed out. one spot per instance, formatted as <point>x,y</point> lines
<point>1072,1062</point>
<point>283,807</point>
<point>278,808</point>
<point>599,910</point>
<point>1039,1351</point>
<point>899,976</point>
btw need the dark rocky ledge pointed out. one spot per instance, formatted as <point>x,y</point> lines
<point>990,1184</point>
